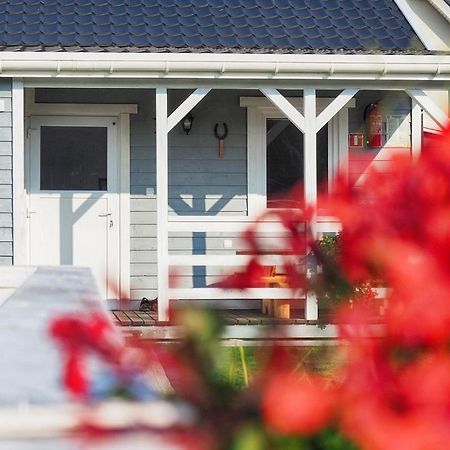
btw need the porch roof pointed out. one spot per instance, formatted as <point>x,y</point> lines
<point>210,26</point>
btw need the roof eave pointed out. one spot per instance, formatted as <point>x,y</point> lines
<point>225,66</point>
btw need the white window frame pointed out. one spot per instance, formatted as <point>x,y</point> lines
<point>259,109</point>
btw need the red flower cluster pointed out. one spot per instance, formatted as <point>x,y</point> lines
<point>296,241</point>
<point>80,335</point>
<point>395,388</point>
<point>294,404</point>
<point>396,392</point>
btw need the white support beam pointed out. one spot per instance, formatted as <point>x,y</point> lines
<point>310,147</point>
<point>429,106</point>
<point>197,96</point>
<point>295,116</point>
<point>334,107</point>
<point>124,198</point>
<point>162,203</point>
<point>20,201</point>
<point>416,130</point>
<point>310,180</point>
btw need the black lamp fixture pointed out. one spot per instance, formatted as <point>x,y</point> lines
<point>187,123</point>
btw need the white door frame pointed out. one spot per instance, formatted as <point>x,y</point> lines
<point>259,109</point>
<point>121,114</point>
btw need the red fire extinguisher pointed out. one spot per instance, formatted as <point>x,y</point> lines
<point>373,119</point>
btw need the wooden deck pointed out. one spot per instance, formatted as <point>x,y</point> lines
<point>134,318</point>
<point>243,327</point>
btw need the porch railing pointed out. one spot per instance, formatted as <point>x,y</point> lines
<point>238,224</point>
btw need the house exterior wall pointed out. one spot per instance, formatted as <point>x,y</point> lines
<point>6,241</point>
<point>200,183</point>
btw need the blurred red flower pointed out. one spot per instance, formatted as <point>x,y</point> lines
<point>297,404</point>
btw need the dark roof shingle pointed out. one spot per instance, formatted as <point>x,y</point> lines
<point>263,26</point>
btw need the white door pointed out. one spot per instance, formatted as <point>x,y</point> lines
<point>73,196</point>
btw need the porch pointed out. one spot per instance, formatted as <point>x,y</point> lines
<point>184,204</point>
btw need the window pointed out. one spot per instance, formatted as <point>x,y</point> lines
<point>73,158</point>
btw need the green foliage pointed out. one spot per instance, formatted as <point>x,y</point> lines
<point>330,283</point>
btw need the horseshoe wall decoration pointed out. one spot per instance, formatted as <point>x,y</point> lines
<point>221,132</point>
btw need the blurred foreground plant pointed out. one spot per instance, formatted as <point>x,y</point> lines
<point>392,392</point>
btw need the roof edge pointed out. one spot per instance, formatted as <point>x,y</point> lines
<point>442,7</point>
<point>428,23</point>
<point>224,66</point>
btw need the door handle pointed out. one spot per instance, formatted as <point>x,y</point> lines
<point>108,214</point>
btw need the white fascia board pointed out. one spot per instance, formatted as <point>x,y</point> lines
<point>442,7</point>
<point>224,66</point>
<point>426,23</point>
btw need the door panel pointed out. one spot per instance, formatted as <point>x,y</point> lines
<point>74,204</point>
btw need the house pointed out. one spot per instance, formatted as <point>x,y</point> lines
<point>112,114</point>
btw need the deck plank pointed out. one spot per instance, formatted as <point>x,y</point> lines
<point>123,318</point>
<point>136,321</point>
<point>239,319</point>
<point>146,318</point>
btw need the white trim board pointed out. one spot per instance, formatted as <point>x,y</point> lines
<point>442,7</point>
<point>76,109</point>
<point>430,25</point>
<point>20,199</point>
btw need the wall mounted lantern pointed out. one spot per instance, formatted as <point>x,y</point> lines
<point>187,123</point>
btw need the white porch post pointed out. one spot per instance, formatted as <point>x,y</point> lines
<point>310,181</point>
<point>416,130</point>
<point>162,200</point>
<point>310,151</point>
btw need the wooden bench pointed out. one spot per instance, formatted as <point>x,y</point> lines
<point>279,308</point>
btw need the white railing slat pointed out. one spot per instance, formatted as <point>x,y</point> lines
<point>229,260</point>
<point>217,293</point>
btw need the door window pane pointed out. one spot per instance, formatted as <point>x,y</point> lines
<point>285,161</point>
<point>74,158</point>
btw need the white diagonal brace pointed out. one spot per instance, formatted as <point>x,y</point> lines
<point>285,107</point>
<point>429,106</point>
<point>186,107</point>
<point>334,107</point>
